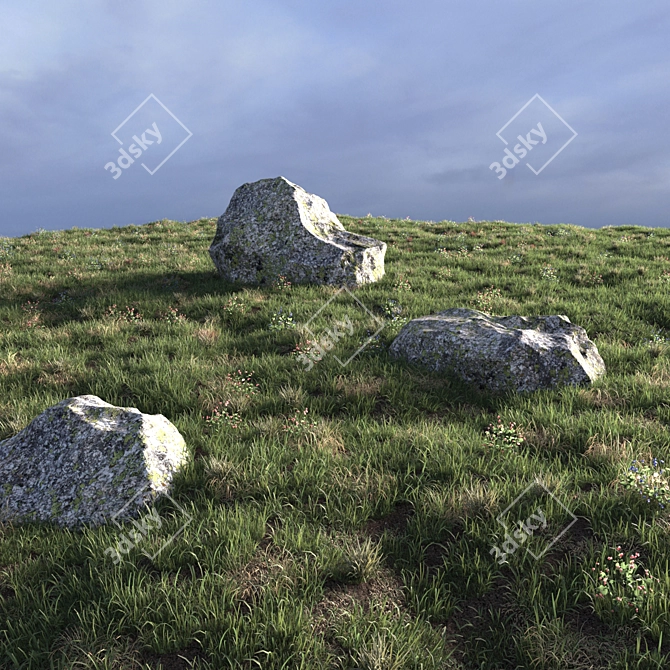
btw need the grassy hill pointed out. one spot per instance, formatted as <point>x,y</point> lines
<point>345,516</point>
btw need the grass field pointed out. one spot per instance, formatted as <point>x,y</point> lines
<point>345,516</point>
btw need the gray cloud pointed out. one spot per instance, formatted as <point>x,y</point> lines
<point>386,108</point>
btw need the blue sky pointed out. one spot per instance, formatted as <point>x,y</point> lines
<point>391,108</point>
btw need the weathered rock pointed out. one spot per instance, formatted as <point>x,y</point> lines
<point>81,461</point>
<point>498,354</point>
<point>273,227</point>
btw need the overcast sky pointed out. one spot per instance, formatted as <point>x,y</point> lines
<point>394,108</point>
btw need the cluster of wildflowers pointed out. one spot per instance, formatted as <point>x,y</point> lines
<point>401,284</point>
<point>649,481</point>
<point>463,249</point>
<point>131,315</point>
<point>444,273</point>
<point>665,276</point>
<point>516,259</point>
<point>281,321</point>
<point>592,278</point>
<point>299,424</point>
<point>242,384</point>
<point>235,305</point>
<point>502,438</point>
<point>312,351</point>
<point>392,311</point>
<point>658,337</point>
<point>485,300</point>
<point>7,250</point>
<point>224,416</point>
<point>549,272</point>
<point>95,264</point>
<point>303,349</point>
<point>171,316</point>
<point>620,587</point>
<point>30,306</point>
<point>281,283</point>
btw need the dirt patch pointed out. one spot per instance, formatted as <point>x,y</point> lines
<point>395,522</point>
<point>575,541</point>
<point>384,593</point>
<point>177,660</point>
<point>359,387</point>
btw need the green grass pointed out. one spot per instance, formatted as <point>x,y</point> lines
<point>357,534</point>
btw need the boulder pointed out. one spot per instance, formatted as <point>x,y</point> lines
<point>499,354</point>
<point>273,227</point>
<point>84,461</point>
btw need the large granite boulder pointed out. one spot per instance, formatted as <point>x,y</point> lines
<point>84,461</point>
<point>273,227</point>
<point>499,354</point>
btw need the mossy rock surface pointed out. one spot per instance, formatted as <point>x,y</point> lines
<point>85,462</point>
<point>500,354</point>
<point>273,227</point>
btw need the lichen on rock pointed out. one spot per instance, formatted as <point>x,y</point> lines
<point>499,354</point>
<point>273,227</point>
<point>84,462</point>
